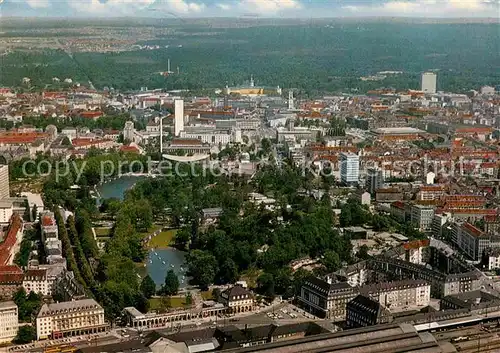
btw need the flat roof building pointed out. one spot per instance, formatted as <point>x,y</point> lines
<point>8,321</point>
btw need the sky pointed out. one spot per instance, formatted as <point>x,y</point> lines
<point>254,8</point>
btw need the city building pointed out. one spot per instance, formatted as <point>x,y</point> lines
<point>6,211</point>
<point>473,301</point>
<point>129,131</point>
<point>35,280</point>
<point>431,192</point>
<point>398,210</point>
<point>325,298</point>
<point>349,168</point>
<point>4,182</point>
<point>11,279</point>
<point>472,241</point>
<point>374,179</point>
<point>70,319</point>
<point>178,117</point>
<point>492,259</point>
<point>363,311</point>
<point>238,299</point>
<point>422,216</point>
<point>10,239</point>
<point>399,294</point>
<point>8,321</point>
<point>429,82</point>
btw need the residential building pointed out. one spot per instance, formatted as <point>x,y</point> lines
<point>349,168</point>
<point>35,280</point>
<point>471,240</point>
<point>4,181</point>
<point>178,116</point>
<point>374,179</point>
<point>438,223</point>
<point>70,319</point>
<point>10,238</point>
<point>8,321</point>
<point>363,311</point>
<point>67,287</point>
<point>431,192</point>
<point>422,216</point>
<point>399,294</point>
<point>238,299</point>
<point>325,298</point>
<point>49,226</point>
<point>6,211</point>
<point>429,82</point>
<point>11,279</point>
<point>398,210</point>
<point>492,259</point>
<point>387,195</point>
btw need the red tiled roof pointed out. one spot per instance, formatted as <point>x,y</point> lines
<point>80,142</point>
<point>131,149</point>
<point>10,240</point>
<point>398,204</point>
<point>91,114</point>
<point>472,230</point>
<point>416,244</point>
<point>186,142</point>
<point>11,274</point>
<point>20,138</point>
<point>47,221</point>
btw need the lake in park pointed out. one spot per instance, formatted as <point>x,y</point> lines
<point>158,261</point>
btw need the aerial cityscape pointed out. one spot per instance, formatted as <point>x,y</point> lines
<point>249,176</point>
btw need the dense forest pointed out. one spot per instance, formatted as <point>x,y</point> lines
<point>313,58</point>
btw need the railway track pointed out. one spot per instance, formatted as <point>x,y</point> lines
<point>482,347</point>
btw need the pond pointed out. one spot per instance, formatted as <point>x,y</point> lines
<point>116,188</point>
<point>158,262</point>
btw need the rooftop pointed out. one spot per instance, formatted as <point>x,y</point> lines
<point>397,130</point>
<point>78,305</point>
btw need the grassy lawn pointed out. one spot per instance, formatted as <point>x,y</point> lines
<point>175,302</point>
<point>102,232</point>
<point>163,239</point>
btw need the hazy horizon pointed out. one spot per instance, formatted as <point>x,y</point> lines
<point>435,9</point>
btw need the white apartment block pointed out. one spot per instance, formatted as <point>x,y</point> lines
<point>471,240</point>
<point>8,321</point>
<point>72,318</point>
<point>6,211</point>
<point>494,261</point>
<point>429,82</point>
<point>36,280</point>
<point>349,168</point>
<point>399,294</point>
<point>4,181</point>
<point>422,216</point>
